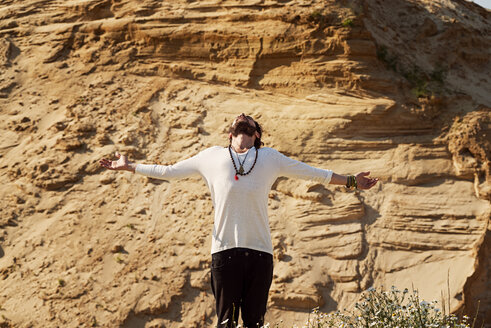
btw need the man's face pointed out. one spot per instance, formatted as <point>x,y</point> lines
<point>243,124</point>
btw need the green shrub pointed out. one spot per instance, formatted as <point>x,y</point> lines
<point>423,84</point>
<point>389,309</point>
<point>421,90</point>
<point>348,22</point>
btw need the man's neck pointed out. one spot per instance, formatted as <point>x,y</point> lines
<point>242,143</point>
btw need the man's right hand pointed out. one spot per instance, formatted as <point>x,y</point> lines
<point>121,164</point>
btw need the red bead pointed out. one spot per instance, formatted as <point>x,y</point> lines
<point>236,177</point>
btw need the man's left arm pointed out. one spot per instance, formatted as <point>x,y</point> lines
<point>292,168</point>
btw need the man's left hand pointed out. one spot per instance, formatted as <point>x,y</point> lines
<point>364,182</point>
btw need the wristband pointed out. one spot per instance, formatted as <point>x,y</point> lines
<point>351,182</point>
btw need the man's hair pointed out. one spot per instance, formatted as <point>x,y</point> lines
<point>257,143</point>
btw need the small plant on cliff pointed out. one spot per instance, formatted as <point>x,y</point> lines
<point>348,22</point>
<point>6,322</point>
<point>423,84</point>
<point>320,18</point>
<point>381,309</point>
<point>389,60</point>
<point>316,15</point>
<point>421,90</point>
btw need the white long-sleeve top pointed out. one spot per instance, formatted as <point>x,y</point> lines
<point>241,218</point>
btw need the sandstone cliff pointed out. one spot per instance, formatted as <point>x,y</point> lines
<point>400,88</point>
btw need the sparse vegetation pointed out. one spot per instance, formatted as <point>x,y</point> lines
<point>61,283</point>
<point>316,15</point>
<point>348,22</point>
<point>323,19</point>
<point>387,309</point>
<point>418,81</point>
<point>384,56</point>
<point>119,259</point>
<point>423,84</point>
<point>421,91</point>
<point>383,309</point>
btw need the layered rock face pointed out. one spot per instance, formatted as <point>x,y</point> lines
<point>400,89</point>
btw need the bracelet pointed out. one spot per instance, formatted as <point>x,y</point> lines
<point>351,182</point>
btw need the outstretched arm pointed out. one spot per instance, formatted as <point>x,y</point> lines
<point>182,169</point>
<point>362,180</point>
<point>294,168</point>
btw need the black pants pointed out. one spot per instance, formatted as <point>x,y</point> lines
<point>240,280</point>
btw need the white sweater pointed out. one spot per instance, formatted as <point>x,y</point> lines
<point>241,216</point>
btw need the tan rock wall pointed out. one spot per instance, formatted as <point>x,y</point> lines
<point>160,81</point>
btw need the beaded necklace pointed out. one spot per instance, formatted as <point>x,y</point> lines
<point>241,170</point>
<point>241,164</point>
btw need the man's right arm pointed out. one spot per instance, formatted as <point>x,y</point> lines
<point>181,169</point>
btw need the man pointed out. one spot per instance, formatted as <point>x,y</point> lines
<point>240,177</point>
